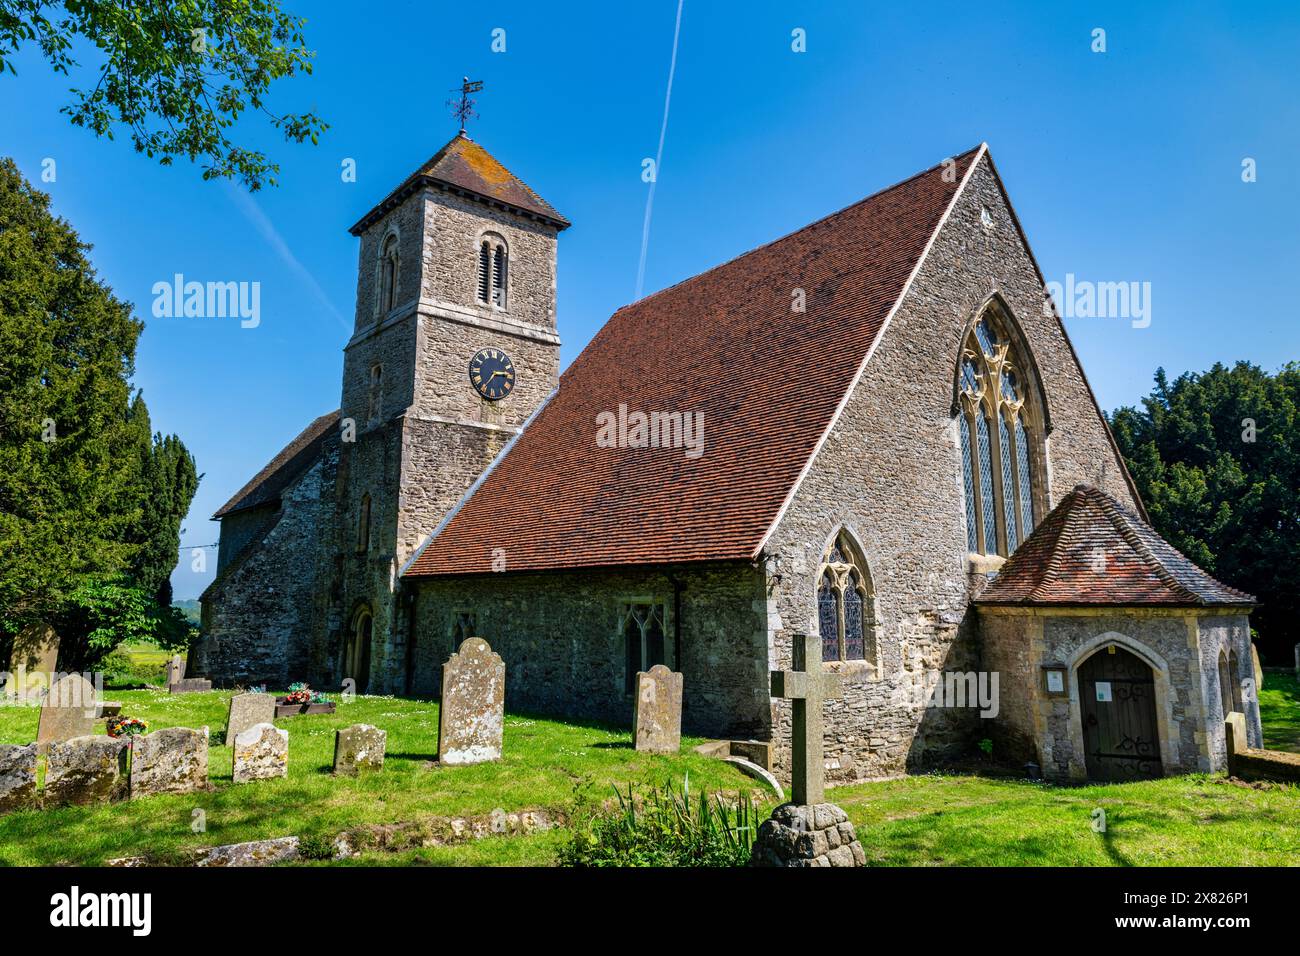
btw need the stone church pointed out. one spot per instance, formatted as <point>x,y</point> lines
<point>874,429</point>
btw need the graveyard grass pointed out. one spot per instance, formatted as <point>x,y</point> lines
<point>933,819</point>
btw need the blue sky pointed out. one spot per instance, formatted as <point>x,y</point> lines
<point>1123,166</point>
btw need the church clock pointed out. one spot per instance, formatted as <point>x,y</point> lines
<point>492,374</point>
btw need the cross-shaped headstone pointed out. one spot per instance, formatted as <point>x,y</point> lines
<point>806,687</point>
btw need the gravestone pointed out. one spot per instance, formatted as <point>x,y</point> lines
<point>33,662</point>
<point>69,711</point>
<point>472,713</point>
<point>359,748</point>
<point>261,753</point>
<point>657,711</point>
<point>17,777</point>
<point>807,831</point>
<point>86,770</point>
<point>178,683</point>
<point>171,760</point>
<point>248,710</point>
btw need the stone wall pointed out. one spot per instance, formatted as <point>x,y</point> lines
<point>1229,632</point>
<point>561,639</point>
<point>890,472</point>
<point>257,622</point>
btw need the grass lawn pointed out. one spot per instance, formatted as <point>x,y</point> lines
<point>976,821</point>
<point>930,820</point>
<point>1279,711</point>
<point>546,765</point>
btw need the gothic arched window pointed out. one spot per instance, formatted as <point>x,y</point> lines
<point>995,408</point>
<point>388,276</point>
<point>645,640</point>
<point>845,617</point>
<point>493,263</point>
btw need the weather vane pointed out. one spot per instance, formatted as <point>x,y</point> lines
<point>463,108</point>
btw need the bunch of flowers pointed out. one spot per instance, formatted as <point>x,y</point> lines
<point>127,726</point>
<point>298,694</point>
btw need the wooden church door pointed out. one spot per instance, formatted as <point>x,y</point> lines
<point>1118,702</point>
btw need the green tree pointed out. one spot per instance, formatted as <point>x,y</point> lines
<point>177,75</point>
<point>89,498</point>
<point>1216,457</point>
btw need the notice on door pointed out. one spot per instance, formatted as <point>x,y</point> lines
<point>1103,690</point>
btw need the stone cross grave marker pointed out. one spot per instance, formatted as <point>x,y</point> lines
<point>248,710</point>
<point>807,687</point>
<point>69,711</point>
<point>472,713</point>
<point>657,711</point>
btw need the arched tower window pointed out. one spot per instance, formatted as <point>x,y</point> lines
<point>999,428</point>
<point>388,276</point>
<point>845,615</point>
<point>493,265</point>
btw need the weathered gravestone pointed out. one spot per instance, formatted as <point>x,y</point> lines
<point>807,831</point>
<point>248,710</point>
<point>33,661</point>
<point>175,670</point>
<point>171,760</point>
<point>17,777</point>
<point>178,683</point>
<point>68,711</point>
<point>472,713</point>
<point>86,770</point>
<point>359,748</point>
<point>657,710</point>
<point>261,753</point>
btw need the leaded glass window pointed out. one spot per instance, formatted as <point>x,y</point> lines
<point>646,640</point>
<point>997,402</point>
<point>844,604</point>
<point>968,479</point>
<point>1008,482</point>
<point>986,481</point>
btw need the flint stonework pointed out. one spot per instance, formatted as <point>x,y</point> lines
<point>248,710</point>
<point>86,770</point>
<point>17,777</point>
<point>806,836</point>
<point>261,753</point>
<point>172,760</point>
<point>657,710</point>
<point>359,748</point>
<point>472,714</point>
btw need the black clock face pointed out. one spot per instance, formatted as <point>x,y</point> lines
<point>492,374</point>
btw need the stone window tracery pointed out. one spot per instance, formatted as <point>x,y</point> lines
<point>646,639</point>
<point>997,468</point>
<point>388,276</point>
<point>845,605</point>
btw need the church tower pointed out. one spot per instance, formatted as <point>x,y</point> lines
<point>454,346</point>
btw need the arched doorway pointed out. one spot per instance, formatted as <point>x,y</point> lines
<point>1118,706</point>
<point>356,651</point>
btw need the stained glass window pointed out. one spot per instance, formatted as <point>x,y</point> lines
<point>844,616</point>
<point>828,619</point>
<point>996,479</point>
<point>854,645</point>
<point>968,478</point>
<point>1024,479</point>
<point>986,484</point>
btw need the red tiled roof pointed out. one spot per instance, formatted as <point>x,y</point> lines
<point>465,166</point>
<point>293,459</point>
<point>727,345</point>
<point>1093,550</point>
